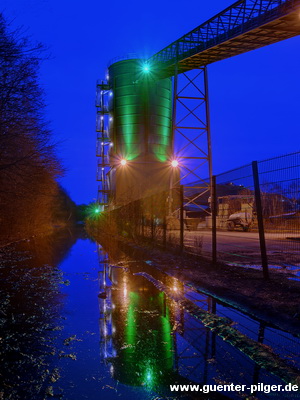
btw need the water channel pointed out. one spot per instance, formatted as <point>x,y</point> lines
<point>81,321</point>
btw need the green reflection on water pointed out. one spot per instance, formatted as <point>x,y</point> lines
<point>145,357</point>
<point>131,328</point>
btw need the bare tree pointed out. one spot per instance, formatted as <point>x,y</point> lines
<point>28,164</point>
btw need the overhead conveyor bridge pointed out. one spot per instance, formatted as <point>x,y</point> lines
<point>246,25</point>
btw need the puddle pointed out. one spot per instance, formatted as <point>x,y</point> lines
<point>285,268</point>
<point>197,353</point>
<point>83,324</point>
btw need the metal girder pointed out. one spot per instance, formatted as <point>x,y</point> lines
<point>191,133</point>
<point>244,26</point>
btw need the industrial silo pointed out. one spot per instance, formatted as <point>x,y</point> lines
<point>140,129</point>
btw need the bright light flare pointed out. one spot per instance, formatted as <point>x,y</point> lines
<point>146,68</point>
<point>123,162</point>
<point>174,163</point>
<point>149,376</point>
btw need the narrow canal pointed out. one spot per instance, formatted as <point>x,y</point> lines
<point>80,321</point>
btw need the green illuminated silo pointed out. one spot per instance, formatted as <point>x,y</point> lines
<point>140,129</point>
<point>160,121</point>
<point>141,111</point>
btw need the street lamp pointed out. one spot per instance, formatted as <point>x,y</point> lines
<point>174,165</point>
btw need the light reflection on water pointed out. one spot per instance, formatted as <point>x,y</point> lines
<point>193,352</point>
<point>80,325</point>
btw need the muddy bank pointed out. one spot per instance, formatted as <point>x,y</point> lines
<point>276,301</point>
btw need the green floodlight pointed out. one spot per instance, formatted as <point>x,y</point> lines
<point>146,68</point>
<point>97,210</point>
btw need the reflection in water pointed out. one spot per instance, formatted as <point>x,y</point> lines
<point>30,305</point>
<point>152,341</point>
<point>136,331</point>
<point>50,329</point>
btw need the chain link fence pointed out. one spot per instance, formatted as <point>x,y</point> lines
<point>250,217</point>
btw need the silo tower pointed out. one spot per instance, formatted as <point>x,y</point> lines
<point>134,124</point>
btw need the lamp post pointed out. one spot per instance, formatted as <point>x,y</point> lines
<point>174,165</point>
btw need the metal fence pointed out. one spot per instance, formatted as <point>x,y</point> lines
<point>251,218</point>
<point>258,219</point>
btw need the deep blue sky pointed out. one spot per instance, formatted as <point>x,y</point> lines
<point>254,98</point>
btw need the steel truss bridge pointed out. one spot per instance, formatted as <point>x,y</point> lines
<point>245,25</point>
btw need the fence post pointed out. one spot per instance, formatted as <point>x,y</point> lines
<point>214,211</point>
<point>138,218</point>
<point>262,241</point>
<point>152,219</point>
<point>143,235</point>
<point>165,230</point>
<point>181,220</point>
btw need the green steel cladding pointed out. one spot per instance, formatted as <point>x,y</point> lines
<point>141,110</point>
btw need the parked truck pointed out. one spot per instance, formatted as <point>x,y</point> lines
<point>236,211</point>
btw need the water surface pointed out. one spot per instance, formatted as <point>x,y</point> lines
<point>79,323</point>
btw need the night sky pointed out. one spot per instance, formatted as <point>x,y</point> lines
<point>254,97</point>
